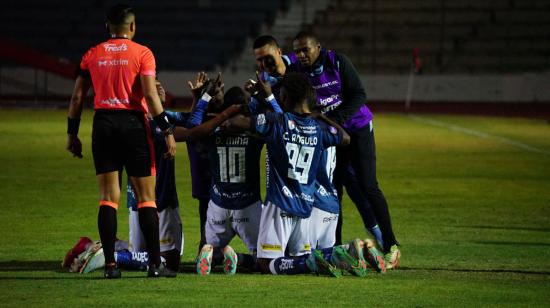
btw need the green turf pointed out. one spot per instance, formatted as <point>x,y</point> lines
<point>471,207</point>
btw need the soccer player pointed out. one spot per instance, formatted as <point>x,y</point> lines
<point>298,139</point>
<point>198,157</point>
<point>235,206</point>
<point>341,96</point>
<point>122,74</point>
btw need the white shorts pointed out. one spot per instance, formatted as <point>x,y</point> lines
<point>322,228</point>
<point>170,231</point>
<point>223,224</point>
<point>282,232</point>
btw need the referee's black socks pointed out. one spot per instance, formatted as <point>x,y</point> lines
<point>107,225</point>
<point>149,224</point>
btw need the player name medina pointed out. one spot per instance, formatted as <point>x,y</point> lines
<point>109,47</point>
<point>299,139</point>
<point>232,140</point>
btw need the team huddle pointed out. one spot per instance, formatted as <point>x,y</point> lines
<point>307,108</point>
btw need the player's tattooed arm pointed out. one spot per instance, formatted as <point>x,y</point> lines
<point>345,136</point>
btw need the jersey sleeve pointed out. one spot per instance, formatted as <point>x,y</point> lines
<point>330,135</point>
<point>148,65</point>
<point>85,62</point>
<point>262,124</point>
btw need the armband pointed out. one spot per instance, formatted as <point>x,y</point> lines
<point>270,98</point>
<point>72,126</point>
<point>162,121</point>
<point>206,97</point>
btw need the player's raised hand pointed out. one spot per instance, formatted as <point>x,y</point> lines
<point>200,81</point>
<point>74,146</point>
<point>263,87</point>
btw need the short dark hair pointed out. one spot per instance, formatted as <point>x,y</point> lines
<point>118,14</point>
<point>306,34</point>
<point>263,40</point>
<point>296,88</point>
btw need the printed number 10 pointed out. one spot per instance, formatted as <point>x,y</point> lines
<point>232,165</point>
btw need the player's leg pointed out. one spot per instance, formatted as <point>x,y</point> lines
<point>275,229</point>
<point>218,234</point>
<point>364,166</point>
<point>107,151</point>
<point>364,208</point>
<point>144,188</point>
<point>246,223</point>
<point>171,237</point>
<point>342,163</point>
<point>203,210</point>
<point>322,225</point>
<point>109,191</point>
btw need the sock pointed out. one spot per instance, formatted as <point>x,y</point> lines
<point>107,225</point>
<point>173,259</point>
<point>132,260</point>
<point>377,235</point>
<point>246,261</point>
<point>149,224</point>
<point>327,253</point>
<point>203,208</point>
<point>289,266</point>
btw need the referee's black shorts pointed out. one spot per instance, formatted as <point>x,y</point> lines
<point>122,138</point>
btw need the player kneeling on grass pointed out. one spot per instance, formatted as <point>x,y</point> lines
<point>235,206</point>
<point>87,256</point>
<point>295,140</point>
<point>323,222</point>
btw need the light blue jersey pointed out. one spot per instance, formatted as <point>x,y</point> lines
<point>295,144</point>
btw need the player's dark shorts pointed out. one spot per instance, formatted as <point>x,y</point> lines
<point>122,138</point>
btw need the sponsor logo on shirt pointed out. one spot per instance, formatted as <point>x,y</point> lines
<point>291,124</point>
<point>115,101</point>
<point>287,192</point>
<point>109,47</point>
<point>116,62</point>
<point>239,220</point>
<point>326,84</point>
<point>217,222</point>
<point>260,120</point>
<point>330,218</point>
<point>333,130</point>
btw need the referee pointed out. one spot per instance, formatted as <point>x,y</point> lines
<point>122,74</point>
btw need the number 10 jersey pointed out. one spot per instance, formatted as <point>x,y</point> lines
<point>235,166</point>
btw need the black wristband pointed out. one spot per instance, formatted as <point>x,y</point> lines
<point>162,121</point>
<point>72,126</point>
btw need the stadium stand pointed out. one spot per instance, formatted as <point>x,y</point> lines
<point>184,35</point>
<point>454,36</point>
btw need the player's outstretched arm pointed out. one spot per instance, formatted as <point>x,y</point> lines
<point>206,128</point>
<point>81,87</point>
<point>148,84</point>
<point>345,136</point>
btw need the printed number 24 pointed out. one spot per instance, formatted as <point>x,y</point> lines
<point>299,157</point>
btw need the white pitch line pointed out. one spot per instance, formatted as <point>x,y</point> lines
<point>476,133</point>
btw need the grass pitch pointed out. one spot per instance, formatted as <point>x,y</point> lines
<point>469,198</point>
